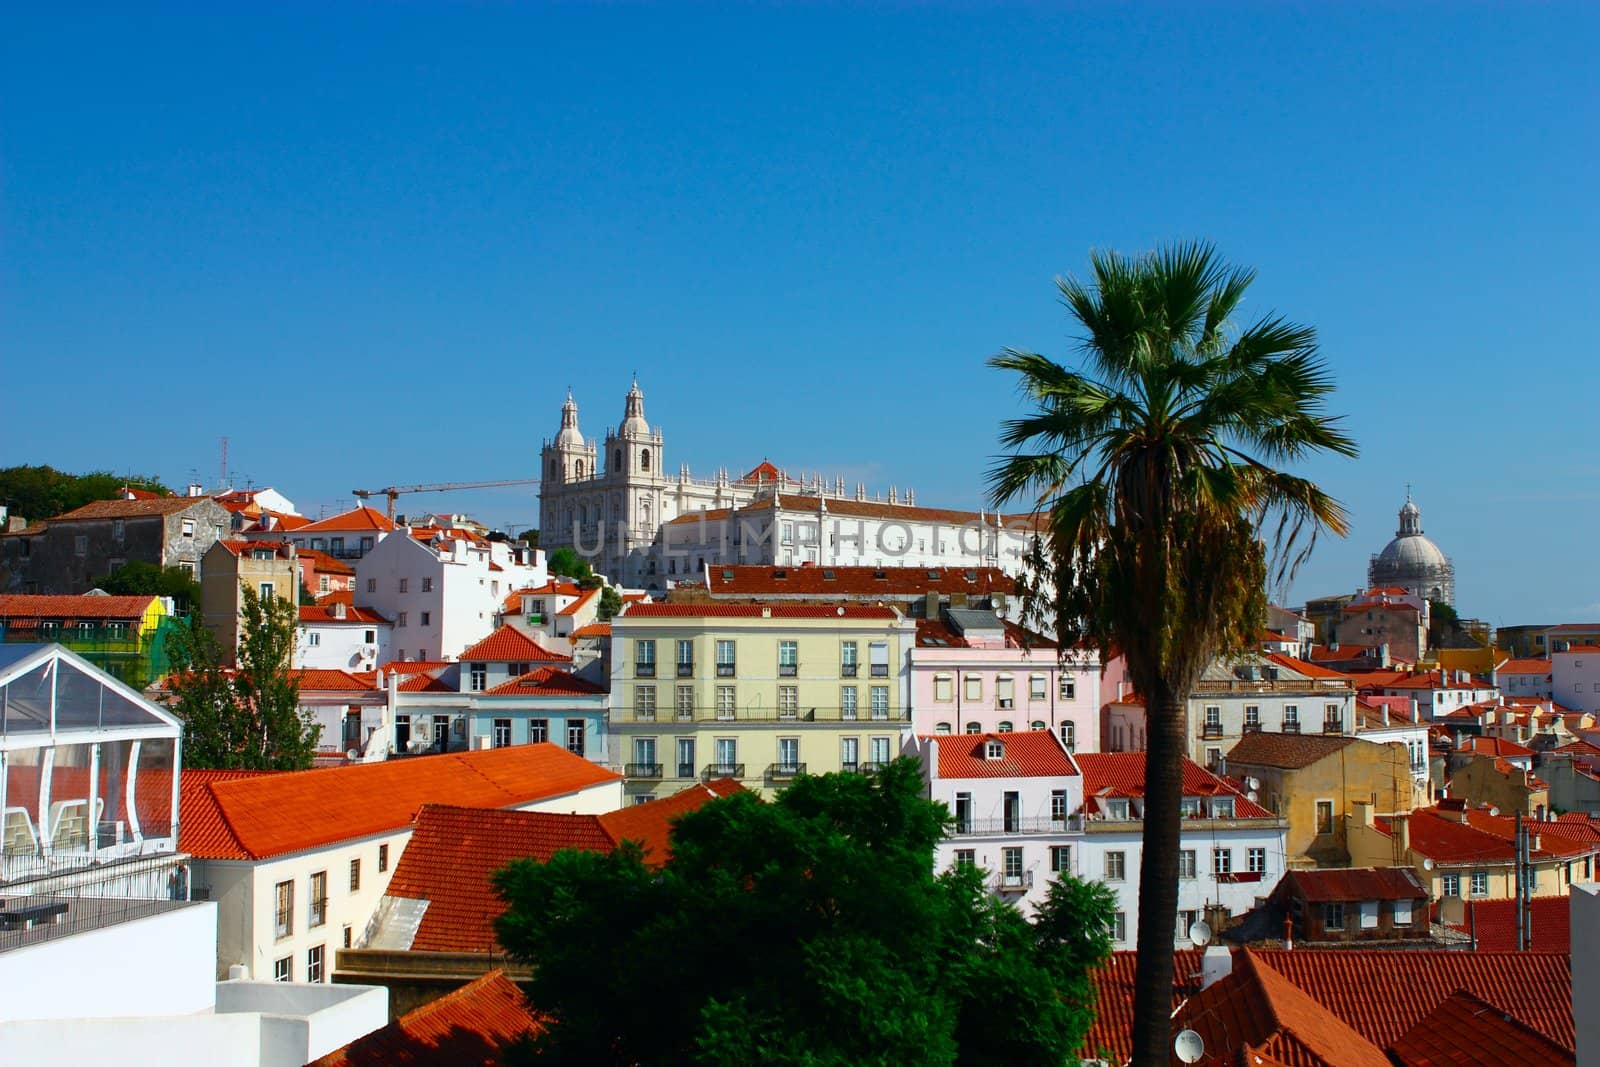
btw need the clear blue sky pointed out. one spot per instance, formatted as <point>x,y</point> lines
<point>376,246</point>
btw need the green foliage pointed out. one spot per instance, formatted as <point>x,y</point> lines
<point>44,492</point>
<point>568,564</point>
<point>610,603</point>
<point>307,597</point>
<point>810,930</point>
<point>1153,464</point>
<point>246,718</point>
<point>530,536</point>
<point>138,578</point>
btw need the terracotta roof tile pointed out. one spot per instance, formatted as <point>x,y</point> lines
<point>1310,670</point>
<point>203,829</point>
<point>1122,774</point>
<point>1355,883</point>
<point>1029,754</point>
<point>1497,746</point>
<point>1442,837</point>
<point>467,1027</point>
<point>1289,751</point>
<point>414,666</point>
<point>936,633</point>
<point>578,603</point>
<point>863,509</point>
<point>643,610</point>
<point>593,629</point>
<point>239,546</point>
<point>841,582</point>
<point>510,645</point>
<point>323,611</point>
<point>43,606</point>
<point>650,823</point>
<point>359,518</point>
<point>1494,923</point>
<point>546,681</point>
<point>273,814</point>
<point>1465,1030</point>
<point>322,680</point>
<point>324,563</point>
<point>132,509</point>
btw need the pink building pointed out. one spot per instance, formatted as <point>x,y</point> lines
<point>972,672</point>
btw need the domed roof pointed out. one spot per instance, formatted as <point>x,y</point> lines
<point>633,414</point>
<point>1412,551</point>
<point>569,434</point>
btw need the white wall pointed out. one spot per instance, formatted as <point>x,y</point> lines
<point>1585,904</point>
<point>1575,680</point>
<point>342,646</point>
<point>157,965</point>
<point>303,1022</point>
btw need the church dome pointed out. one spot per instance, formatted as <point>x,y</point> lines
<point>633,414</point>
<point>1412,561</point>
<point>569,435</point>
<point>1412,550</point>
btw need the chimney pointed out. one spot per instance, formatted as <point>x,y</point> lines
<point>1288,933</point>
<point>1361,810</point>
<point>1215,965</point>
<point>1400,827</point>
<point>930,605</point>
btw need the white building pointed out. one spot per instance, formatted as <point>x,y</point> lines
<point>1575,677</point>
<point>550,613</point>
<point>1231,850</point>
<point>336,634</point>
<point>1397,721</point>
<point>1439,693</point>
<point>297,861</point>
<point>444,594</point>
<point>1525,678</point>
<point>1016,799</point>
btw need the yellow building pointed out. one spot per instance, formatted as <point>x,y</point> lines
<point>757,692</point>
<point>1463,853</point>
<point>271,568</point>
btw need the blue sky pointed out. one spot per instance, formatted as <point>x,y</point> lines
<point>375,245</point>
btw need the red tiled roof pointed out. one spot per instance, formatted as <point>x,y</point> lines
<point>1443,838</point>
<point>132,509</point>
<point>453,850</point>
<point>577,604</point>
<point>1343,652</point>
<point>414,666</point>
<point>1496,746</point>
<point>644,610</point>
<point>287,521</point>
<point>1494,923</point>
<point>510,645</point>
<point>321,680</point>
<point>1575,628</point>
<point>762,472</point>
<point>1355,883</point>
<point>1465,1030</point>
<point>936,633</point>
<point>465,1028</point>
<point>593,629</point>
<point>546,681</point>
<point>238,547</point>
<point>323,612</point>
<point>1375,679</point>
<point>1030,754</point>
<point>43,606</point>
<point>326,564</point>
<point>1122,773</point>
<point>839,582</point>
<point>203,829</point>
<point>359,518</point>
<point>1574,648</point>
<point>1310,670</point>
<point>1289,751</point>
<point>423,683</point>
<point>1524,666</point>
<point>273,814</point>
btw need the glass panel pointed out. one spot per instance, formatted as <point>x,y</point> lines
<point>70,787</point>
<point>118,710</point>
<point>111,787</point>
<point>22,801</point>
<point>26,701</point>
<point>153,786</point>
<point>77,699</point>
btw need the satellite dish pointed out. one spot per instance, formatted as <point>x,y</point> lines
<point>1199,934</point>
<point>839,611</point>
<point>351,754</point>
<point>1253,782</point>
<point>1494,811</point>
<point>1427,864</point>
<point>1188,1046</point>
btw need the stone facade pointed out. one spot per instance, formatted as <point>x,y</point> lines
<point>70,553</point>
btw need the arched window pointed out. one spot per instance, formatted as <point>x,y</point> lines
<point>578,468</point>
<point>942,728</point>
<point>1005,727</point>
<point>616,459</point>
<point>974,728</point>
<point>644,459</point>
<point>1036,724</point>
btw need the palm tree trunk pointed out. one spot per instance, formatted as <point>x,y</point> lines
<point>1166,739</point>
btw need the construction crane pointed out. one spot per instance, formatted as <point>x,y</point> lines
<point>439,487</point>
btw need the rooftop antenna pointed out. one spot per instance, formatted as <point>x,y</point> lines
<point>223,484</point>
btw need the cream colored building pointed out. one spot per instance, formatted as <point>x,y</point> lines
<point>270,568</point>
<point>757,692</point>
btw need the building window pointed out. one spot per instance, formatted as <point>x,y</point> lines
<point>1258,861</point>
<point>283,970</point>
<point>372,585</point>
<point>425,618</point>
<point>1116,866</point>
<point>1037,685</point>
<point>347,935</point>
<point>314,964</point>
<point>1213,721</point>
<point>788,701</point>
<point>1252,716</point>
<point>383,858</point>
<point>880,702</point>
<point>728,756</point>
<point>974,727</point>
<point>1005,726</point>
<point>118,528</point>
<point>188,527</point>
<point>1480,883</point>
<point>1333,916</point>
<point>1011,865</point>
<point>1332,720</point>
<point>849,753</point>
<point>1069,687</point>
<point>1058,805</point>
<point>478,673</point>
<point>644,703</point>
<point>319,899</point>
<point>1291,718</point>
<point>788,755</point>
<point>878,751</point>
<point>427,585</point>
<point>685,659</point>
<point>878,656</point>
<point>727,701</point>
<point>1402,913</point>
<point>1186,921</point>
<point>313,639</point>
<point>1324,817</point>
<point>941,728</point>
<point>1061,859</point>
<point>401,621</point>
<point>405,584</point>
<point>1119,926</point>
<point>685,702</point>
<point>1222,861</point>
<point>966,859</point>
<point>355,876</point>
<point>283,914</point>
<point>725,659</point>
<point>502,733</point>
<point>538,731</point>
<point>847,702</point>
<point>942,688</point>
<point>575,736</point>
<point>685,757</point>
<point>973,686</point>
<point>788,658</point>
<point>1069,736</point>
<point>1187,867</point>
<point>848,662</point>
<point>1450,885</point>
<point>267,590</point>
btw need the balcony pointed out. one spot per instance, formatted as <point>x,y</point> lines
<point>1211,730</point>
<point>723,770</point>
<point>785,771</point>
<point>871,767</point>
<point>1230,877</point>
<point>788,670</point>
<point>725,670</point>
<point>1333,726</point>
<point>644,714</point>
<point>880,670</point>
<point>1252,728</point>
<point>642,770</point>
<point>686,670</point>
<point>850,767</point>
<point>644,670</point>
<point>1291,727</point>
<point>1012,883</point>
<point>1037,824</point>
<point>685,770</point>
<point>847,670</point>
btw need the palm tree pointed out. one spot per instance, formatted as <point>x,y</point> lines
<point>1154,471</point>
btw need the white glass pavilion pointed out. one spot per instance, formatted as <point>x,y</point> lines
<point>88,766</point>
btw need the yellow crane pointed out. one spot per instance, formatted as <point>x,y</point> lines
<point>437,487</point>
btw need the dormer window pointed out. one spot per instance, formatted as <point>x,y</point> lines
<point>1191,808</point>
<point>1117,808</point>
<point>1222,807</point>
<point>993,750</point>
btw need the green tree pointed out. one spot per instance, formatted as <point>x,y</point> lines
<point>1154,465</point>
<point>568,564</point>
<point>610,603</point>
<point>44,492</point>
<point>809,930</point>
<point>246,717</point>
<point>139,578</point>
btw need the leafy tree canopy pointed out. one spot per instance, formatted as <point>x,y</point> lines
<point>610,603</point>
<point>139,578</point>
<point>246,718</point>
<point>44,492</point>
<point>809,930</point>
<point>567,563</point>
